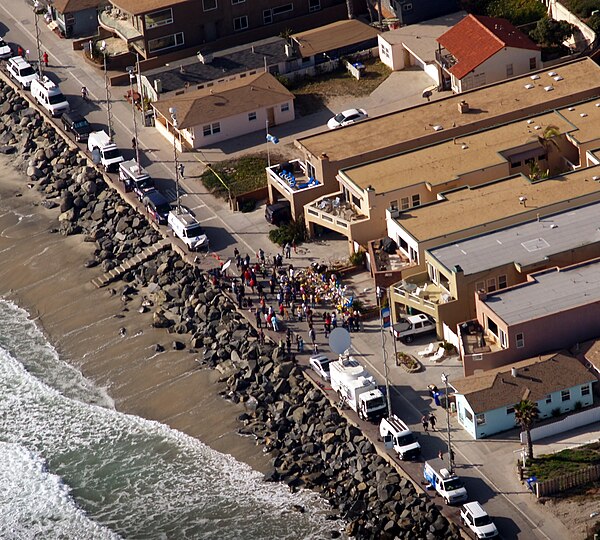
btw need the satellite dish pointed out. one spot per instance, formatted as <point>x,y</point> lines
<point>339,340</point>
<point>96,156</point>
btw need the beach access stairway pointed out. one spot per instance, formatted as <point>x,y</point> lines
<point>118,271</point>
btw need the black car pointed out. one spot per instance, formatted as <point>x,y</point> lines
<point>157,206</point>
<point>278,213</point>
<point>76,124</point>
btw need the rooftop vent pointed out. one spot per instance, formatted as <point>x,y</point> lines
<point>529,86</point>
<point>530,121</point>
<point>205,58</point>
<point>513,372</point>
<point>558,78</point>
<point>534,77</point>
<point>571,108</point>
<point>157,86</point>
<point>552,74</point>
<point>583,114</point>
<point>463,107</point>
<point>549,88</point>
<point>438,128</point>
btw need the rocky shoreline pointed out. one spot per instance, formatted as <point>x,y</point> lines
<point>310,444</point>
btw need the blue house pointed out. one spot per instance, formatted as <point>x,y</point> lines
<point>76,18</point>
<point>557,382</point>
<point>415,11</point>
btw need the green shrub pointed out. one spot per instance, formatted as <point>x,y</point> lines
<point>555,412</point>
<point>578,406</point>
<point>289,233</point>
<point>357,258</point>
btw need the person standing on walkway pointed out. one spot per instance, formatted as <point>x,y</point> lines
<point>312,334</point>
<point>45,58</point>
<point>425,422</point>
<point>288,251</point>
<point>432,421</point>
<point>261,337</point>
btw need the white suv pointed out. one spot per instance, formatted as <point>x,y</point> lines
<point>476,518</point>
<point>21,71</point>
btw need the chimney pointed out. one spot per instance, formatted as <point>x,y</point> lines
<point>481,295</point>
<point>463,107</point>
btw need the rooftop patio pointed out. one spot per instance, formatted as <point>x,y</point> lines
<point>475,340</point>
<point>117,21</point>
<point>292,176</point>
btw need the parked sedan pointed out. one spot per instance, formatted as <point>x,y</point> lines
<point>76,124</point>
<point>346,118</point>
<point>320,365</point>
<point>5,50</point>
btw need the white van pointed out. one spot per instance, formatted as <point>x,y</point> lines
<point>397,435</point>
<point>186,228</point>
<point>49,96</point>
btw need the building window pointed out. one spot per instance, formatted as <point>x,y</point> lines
<point>166,42</point>
<point>480,286</point>
<point>502,281</point>
<point>585,390</point>
<point>548,399</point>
<point>267,16</point>
<point>158,18</point>
<point>251,116</point>
<point>314,5</point>
<point>234,2</point>
<point>481,419</point>
<point>510,410</point>
<point>355,201</point>
<point>404,203</point>
<point>416,200</point>
<point>209,5</point>
<point>520,338</point>
<point>502,336</point>
<point>565,395</point>
<point>533,63</point>
<point>491,285</point>
<point>509,70</point>
<point>469,415</point>
<point>285,107</point>
<point>310,169</point>
<point>280,10</point>
<point>240,23</point>
<point>211,129</point>
<point>492,326</point>
<point>407,7</point>
<point>393,205</point>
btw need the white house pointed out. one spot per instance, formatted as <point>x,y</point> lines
<point>482,50</point>
<point>226,110</point>
<point>557,383</point>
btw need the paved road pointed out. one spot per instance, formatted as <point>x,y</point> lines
<point>487,466</point>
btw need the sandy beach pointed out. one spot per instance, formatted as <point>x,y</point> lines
<point>43,272</point>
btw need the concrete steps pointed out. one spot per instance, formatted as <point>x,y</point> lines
<point>139,258</point>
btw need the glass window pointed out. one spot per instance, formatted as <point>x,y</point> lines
<point>480,286</point>
<point>251,116</point>
<point>533,63</point>
<point>240,23</point>
<point>492,326</point>
<point>394,205</point>
<point>211,129</point>
<point>502,282</point>
<point>234,2</point>
<point>404,203</point>
<point>481,419</point>
<point>509,70</point>
<point>585,390</point>
<point>416,200</point>
<point>502,336</point>
<point>565,395</point>
<point>468,415</point>
<point>159,18</point>
<point>549,398</point>
<point>491,285</point>
<point>166,42</point>
<point>267,16</point>
<point>285,107</point>
<point>282,9</point>
<point>520,338</point>
<point>510,410</point>
<point>209,5</point>
<point>314,5</point>
<point>407,7</point>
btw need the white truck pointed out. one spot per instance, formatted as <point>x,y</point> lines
<point>407,328</point>
<point>447,484</point>
<point>397,436</point>
<point>356,387</point>
<point>104,151</point>
<point>135,178</point>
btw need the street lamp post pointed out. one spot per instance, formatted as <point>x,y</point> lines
<point>445,381</point>
<point>104,50</point>
<point>173,113</point>
<point>37,9</point>
<point>380,293</point>
<point>131,71</point>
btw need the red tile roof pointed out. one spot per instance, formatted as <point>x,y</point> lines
<point>476,38</point>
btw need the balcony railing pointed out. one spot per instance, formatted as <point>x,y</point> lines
<point>292,176</point>
<point>115,20</point>
<point>421,291</point>
<point>475,340</point>
<point>334,210</point>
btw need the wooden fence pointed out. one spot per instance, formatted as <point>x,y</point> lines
<point>567,481</point>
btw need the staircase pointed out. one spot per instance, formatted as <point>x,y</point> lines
<point>118,271</point>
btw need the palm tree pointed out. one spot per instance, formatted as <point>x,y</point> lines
<point>526,414</point>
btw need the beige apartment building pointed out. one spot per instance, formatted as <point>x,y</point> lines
<point>436,285</point>
<point>323,155</point>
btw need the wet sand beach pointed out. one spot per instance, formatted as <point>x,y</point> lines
<point>43,272</point>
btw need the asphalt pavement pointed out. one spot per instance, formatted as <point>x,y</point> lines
<point>488,466</point>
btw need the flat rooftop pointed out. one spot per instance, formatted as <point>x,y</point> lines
<point>421,38</point>
<point>487,102</point>
<point>552,291</point>
<point>523,244</point>
<point>224,64</point>
<point>483,205</point>
<point>443,162</point>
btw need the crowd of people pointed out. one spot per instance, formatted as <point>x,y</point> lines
<point>287,301</point>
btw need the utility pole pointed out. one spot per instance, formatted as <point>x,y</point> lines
<point>380,294</point>
<point>450,460</point>
<point>104,50</point>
